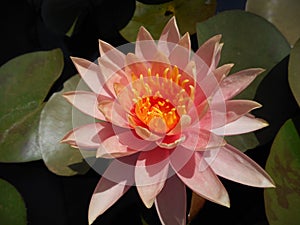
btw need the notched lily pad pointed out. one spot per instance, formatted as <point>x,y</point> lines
<point>283,203</point>
<point>154,17</point>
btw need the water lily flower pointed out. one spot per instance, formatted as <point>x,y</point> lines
<point>161,114</point>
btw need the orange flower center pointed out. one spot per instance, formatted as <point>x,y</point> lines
<point>156,112</point>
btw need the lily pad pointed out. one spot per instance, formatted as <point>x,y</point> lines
<point>294,71</point>
<point>12,206</point>
<point>25,82</point>
<point>284,14</point>
<point>283,203</point>
<point>249,41</point>
<point>55,122</point>
<point>154,17</point>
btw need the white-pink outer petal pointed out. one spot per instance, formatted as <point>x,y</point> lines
<point>237,82</point>
<point>85,136</point>
<point>232,164</point>
<point>115,181</point>
<point>244,124</point>
<point>90,73</point>
<point>86,102</point>
<point>151,173</point>
<point>204,182</point>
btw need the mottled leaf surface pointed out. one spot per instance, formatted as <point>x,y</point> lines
<point>283,203</point>
<point>25,82</point>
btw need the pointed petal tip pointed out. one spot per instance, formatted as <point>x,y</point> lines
<point>224,200</point>
<point>149,204</point>
<point>263,122</point>
<point>76,60</point>
<point>268,183</point>
<point>91,220</point>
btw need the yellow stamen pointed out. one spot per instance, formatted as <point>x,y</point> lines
<point>149,108</point>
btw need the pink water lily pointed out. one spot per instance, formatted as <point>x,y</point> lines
<point>161,115</point>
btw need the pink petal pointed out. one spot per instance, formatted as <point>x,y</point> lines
<point>145,46</point>
<point>203,182</point>
<point>86,102</point>
<point>135,65</point>
<point>207,56</point>
<point>201,140</point>
<point>199,111</point>
<point>114,113</point>
<point>111,74</point>
<point>207,51</point>
<point>235,83</point>
<point>111,54</point>
<point>111,147</point>
<point>160,64</point>
<point>169,36</point>
<point>244,124</point>
<point>124,142</point>
<point>232,164</point>
<point>105,195</point>
<point>151,173</point>
<point>238,108</point>
<point>89,72</point>
<point>180,55</point>
<point>209,85</point>
<point>171,202</point>
<point>224,113</point>
<point>115,181</point>
<point>86,136</point>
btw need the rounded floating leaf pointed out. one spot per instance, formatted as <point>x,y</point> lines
<point>283,203</point>
<point>294,71</point>
<point>249,41</point>
<point>284,14</point>
<point>25,82</point>
<point>154,17</point>
<point>55,122</point>
<point>12,207</point>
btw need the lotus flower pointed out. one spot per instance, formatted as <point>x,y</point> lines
<point>161,116</point>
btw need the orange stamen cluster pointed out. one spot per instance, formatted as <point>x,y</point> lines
<point>153,91</point>
<point>151,107</point>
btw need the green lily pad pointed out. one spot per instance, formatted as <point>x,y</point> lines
<point>283,203</point>
<point>55,123</point>
<point>25,82</point>
<point>294,71</point>
<point>154,17</point>
<point>284,14</point>
<point>12,207</point>
<point>249,41</point>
